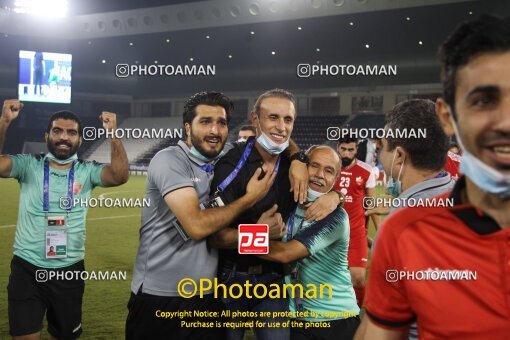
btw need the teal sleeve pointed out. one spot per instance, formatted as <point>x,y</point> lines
<point>320,235</point>
<point>95,174</point>
<point>20,165</point>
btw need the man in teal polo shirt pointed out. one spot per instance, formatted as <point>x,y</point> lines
<point>317,252</point>
<point>50,232</point>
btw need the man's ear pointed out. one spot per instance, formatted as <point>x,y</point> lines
<point>80,140</point>
<point>187,127</point>
<point>46,135</point>
<point>255,121</point>
<point>401,156</point>
<point>444,114</point>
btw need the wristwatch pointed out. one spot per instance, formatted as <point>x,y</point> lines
<point>341,197</point>
<point>300,156</point>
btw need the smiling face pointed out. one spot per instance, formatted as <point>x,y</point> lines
<point>275,118</point>
<point>482,107</point>
<point>323,168</point>
<point>63,140</point>
<point>208,130</point>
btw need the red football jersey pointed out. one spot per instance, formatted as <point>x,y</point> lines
<point>448,268</point>
<point>452,164</point>
<point>353,182</point>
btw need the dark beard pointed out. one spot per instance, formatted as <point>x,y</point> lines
<point>59,154</point>
<point>195,141</point>
<point>346,161</point>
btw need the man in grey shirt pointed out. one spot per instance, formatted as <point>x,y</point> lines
<point>175,226</point>
<point>415,169</point>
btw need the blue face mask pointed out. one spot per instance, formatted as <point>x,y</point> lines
<point>204,159</point>
<point>198,155</point>
<point>483,176</point>
<point>270,146</point>
<point>312,195</point>
<point>394,188</point>
<point>61,161</point>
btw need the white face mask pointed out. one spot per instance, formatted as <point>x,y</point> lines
<point>485,177</point>
<point>270,146</point>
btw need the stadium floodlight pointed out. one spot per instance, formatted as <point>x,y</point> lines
<point>42,8</point>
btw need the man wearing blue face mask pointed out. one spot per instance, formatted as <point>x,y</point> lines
<point>415,170</point>
<point>317,254</point>
<point>273,115</point>
<point>473,236</point>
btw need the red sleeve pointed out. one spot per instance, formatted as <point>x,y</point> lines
<point>386,300</point>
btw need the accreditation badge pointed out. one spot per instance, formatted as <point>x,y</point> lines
<point>56,239</point>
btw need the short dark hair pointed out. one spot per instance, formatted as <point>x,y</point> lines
<point>487,34</point>
<point>67,115</point>
<point>429,154</point>
<point>206,98</point>
<point>274,93</point>
<point>347,140</point>
<point>248,128</point>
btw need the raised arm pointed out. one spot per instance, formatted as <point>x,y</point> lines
<point>117,172</point>
<point>10,112</point>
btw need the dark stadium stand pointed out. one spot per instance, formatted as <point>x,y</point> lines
<point>366,120</point>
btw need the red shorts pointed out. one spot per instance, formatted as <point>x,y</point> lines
<point>357,255</point>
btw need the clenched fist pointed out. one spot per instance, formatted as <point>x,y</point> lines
<point>11,110</point>
<point>109,120</point>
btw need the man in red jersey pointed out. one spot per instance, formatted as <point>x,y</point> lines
<point>356,181</point>
<point>448,268</point>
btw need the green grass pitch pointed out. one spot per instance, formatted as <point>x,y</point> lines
<point>111,244</point>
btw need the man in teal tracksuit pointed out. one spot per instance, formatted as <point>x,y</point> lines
<point>317,254</point>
